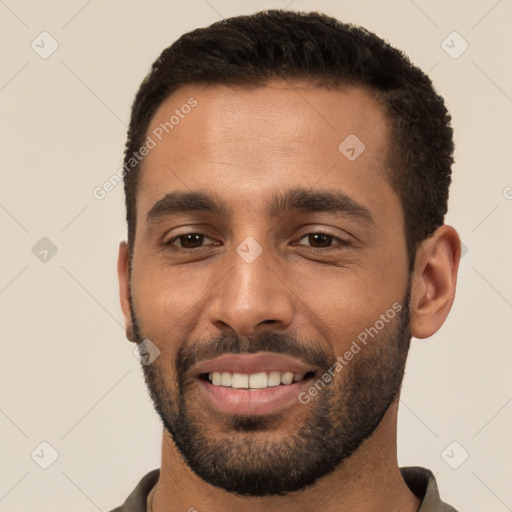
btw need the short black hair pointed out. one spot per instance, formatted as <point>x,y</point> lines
<point>251,50</point>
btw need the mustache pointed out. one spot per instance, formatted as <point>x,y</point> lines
<point>308,352</point>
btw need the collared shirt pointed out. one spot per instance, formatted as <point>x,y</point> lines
<point>420,481</point>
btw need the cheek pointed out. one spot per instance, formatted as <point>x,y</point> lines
<point>341,303</point>
<point>168,301</point>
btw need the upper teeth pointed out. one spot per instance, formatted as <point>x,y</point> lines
<point>254,380</point>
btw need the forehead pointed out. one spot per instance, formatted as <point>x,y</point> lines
<point>246,143</point>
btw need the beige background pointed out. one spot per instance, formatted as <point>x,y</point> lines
<point>68,376</point>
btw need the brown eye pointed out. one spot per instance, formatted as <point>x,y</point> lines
<point>191,240</point>
<point>319,240</point>
<point>187,241</point>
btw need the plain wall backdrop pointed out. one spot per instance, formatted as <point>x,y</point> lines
<point>68,376</point>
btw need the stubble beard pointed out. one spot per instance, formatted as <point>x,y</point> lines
<point>242,454</point>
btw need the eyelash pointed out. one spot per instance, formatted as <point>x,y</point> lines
<point>342,241</point>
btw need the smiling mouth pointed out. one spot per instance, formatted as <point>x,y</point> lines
<point>260,380</point>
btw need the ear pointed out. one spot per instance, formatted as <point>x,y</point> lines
<point>434,281</point>
<point>124,288</point>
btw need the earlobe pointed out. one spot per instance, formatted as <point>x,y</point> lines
<point>124,288</point>
<point>434,281</point>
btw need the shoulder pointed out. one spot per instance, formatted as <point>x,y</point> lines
<point>136,501</point>
<point>422,483</point>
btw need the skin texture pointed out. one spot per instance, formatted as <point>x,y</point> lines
<point>244,146</point>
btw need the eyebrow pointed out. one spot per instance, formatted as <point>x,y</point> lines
<point>176,203</point>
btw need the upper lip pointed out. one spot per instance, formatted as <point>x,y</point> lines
<point>252,363</point>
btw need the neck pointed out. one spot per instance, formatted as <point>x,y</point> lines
<point>367,481</point>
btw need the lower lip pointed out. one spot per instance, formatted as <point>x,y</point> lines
<point>251,401</point>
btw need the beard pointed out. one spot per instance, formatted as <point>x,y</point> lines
<point>248,455</point>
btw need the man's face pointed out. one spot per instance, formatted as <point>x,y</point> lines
<point>276,272</point>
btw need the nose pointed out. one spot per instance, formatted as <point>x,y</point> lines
<point>250,296</point>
